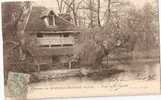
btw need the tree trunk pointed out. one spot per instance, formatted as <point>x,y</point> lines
<point>91,14</point>
<point>109,10</point>
<point>21,25</point>
<point>98,13</point>
<point>74,13</point>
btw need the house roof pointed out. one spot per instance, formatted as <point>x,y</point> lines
<point>37,24</point>
<point>47,12</point>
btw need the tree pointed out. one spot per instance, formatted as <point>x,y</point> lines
<point>143,23</point>
<point>60,5</point>
<point>98,12</point>
<point>99,42</point>
<point>15,17</point>
<point>73,6</point>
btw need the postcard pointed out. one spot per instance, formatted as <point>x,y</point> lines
<point>80,48</point>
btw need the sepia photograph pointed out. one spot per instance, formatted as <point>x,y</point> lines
<point>80,48</point>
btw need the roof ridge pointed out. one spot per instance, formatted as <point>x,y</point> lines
<point>48,10</point>
<point>35,23</point>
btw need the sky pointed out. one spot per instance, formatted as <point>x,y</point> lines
<point>53,4</point>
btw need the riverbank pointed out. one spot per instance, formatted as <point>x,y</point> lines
<point>121,84</point>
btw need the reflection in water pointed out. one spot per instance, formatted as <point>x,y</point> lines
<point>127,80</point>
<point>144,71</point>
<point>148,71</point>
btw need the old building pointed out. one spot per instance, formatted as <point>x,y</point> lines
<point>55,35</point>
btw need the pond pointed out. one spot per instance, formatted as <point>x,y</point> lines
<point>134,71</point>
<point>123,80</point>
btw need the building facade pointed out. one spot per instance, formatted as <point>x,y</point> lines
<point>55,35</point>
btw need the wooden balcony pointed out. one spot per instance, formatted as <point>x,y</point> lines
<point>55,45</point>
<point>46,51</point>
<point>51,41</point>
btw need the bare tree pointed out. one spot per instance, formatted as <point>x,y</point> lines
<point>15,17</point>
<point>21,25</point>
<point>98,43</point>
<point>19,19</point>
<point>73,6</point>
<point>60,5</point>
<point>143,23</point>
<point>109,9</point>
<point>98,12</point>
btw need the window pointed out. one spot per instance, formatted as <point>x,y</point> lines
<point>56,45</point>
<point>44,45</point>
<point>55,59</point>
<point>65,35</point>
<point>46,21</point>
<point>67,45</point>
<point>50,19</point>
<point>51,35</point>
<point>39,35</point>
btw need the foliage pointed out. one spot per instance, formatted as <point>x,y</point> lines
<point>135,30</point>
<point>144,24</point>
<point>124,31</point>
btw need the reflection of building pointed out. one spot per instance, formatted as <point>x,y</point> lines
<point>55,34</point>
